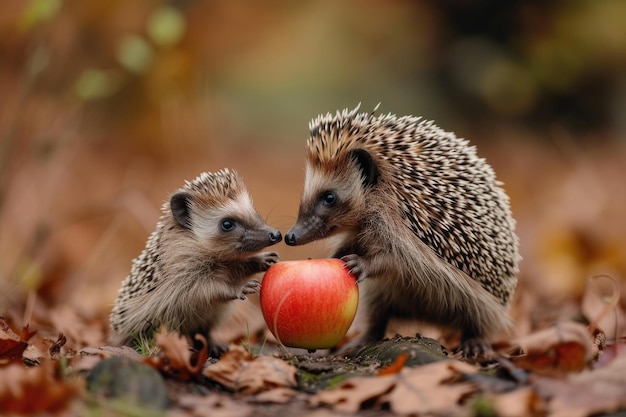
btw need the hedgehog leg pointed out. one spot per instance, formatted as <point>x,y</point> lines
<point>251,287</point>
<point>473,347</point>
<point>357,266</point>
<point>216,349</point>
<point>207,342</point>
<point>256,263</point>
<point>377,325</point>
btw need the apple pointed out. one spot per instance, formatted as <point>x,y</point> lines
<point>310,303</point>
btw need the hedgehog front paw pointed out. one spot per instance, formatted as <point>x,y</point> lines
<point>356,265</point>
<point>267,259</point>
<point>252,287</point>
<point>475,348</point>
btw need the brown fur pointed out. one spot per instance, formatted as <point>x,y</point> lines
<point>191,268</point>
<point>423,223</point>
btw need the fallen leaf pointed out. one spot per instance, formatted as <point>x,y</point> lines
<point>517,403</point>
<point>564,348</point>
<point>176,358</point>
<point>12,346</point>
<point>26,334</point>
<point>11,351</point>
<point>599,391</point>
<point>275,396</point>
<point>34,390</point>
<point>600,305</point>
<point>424,390</point>
<point>39,348</point>
<point>396,366</point>
<point>428,389</point>
<point>239,371</point>
<point>354,393</point>
<point>213,405</point>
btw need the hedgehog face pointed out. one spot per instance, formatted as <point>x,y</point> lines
<point>333,198</point>
<point>233,227</point>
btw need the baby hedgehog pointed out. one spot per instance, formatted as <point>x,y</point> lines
<point>423,223</point>
<point>200,257</point>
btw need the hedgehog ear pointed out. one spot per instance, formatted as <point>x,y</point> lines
<point>369,170</point>
<point>179,204</point>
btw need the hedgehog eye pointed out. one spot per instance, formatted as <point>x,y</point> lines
<point>228,225</point>
<point>329,198</point>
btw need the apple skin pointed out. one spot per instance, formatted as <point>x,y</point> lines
<point>310,303</point>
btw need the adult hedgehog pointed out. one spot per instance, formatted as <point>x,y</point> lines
<point>423,223</point>
<point>201,257</point>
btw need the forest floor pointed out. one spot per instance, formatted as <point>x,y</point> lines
<point>567,369</point>
<point>67,254</point>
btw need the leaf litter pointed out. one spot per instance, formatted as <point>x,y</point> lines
<point>558,368</point>
<point>563,378</point>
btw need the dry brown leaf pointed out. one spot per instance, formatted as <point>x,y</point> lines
<point>600,305</point>
<point>11,351</point>
<point>593,392</point>
<point>226,370</point>
<point>266,372</point>
<point>28,346</point>
<point>565,347</point>
<point>25,334</point>
<point>518,403</point>
<point>34,390</point>
<point>411,391</point>
<point>239,371</point>
<point>176,358</point>
<point>12,345</point>
<point>424,390</point>
<point>40,347</point>
<point>275,396</point>
<point>352,394</point>
<point>213,405</point>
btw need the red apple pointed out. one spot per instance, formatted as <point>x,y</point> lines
<point>309,303</point>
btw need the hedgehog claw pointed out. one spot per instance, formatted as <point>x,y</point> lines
<point>476,349</point>
<point>267,259</point>
<point>252,287</point>
<point>354,263</point>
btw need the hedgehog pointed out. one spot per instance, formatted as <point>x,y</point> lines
<point>201,256</point>
<point>419,219</point>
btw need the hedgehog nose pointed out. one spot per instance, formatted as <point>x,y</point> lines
<point>275,236</point>
<point>290,239</point>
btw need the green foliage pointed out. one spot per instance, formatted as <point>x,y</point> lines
<point>38,11</point>
<point>145,346</point>
<point>166,26</point>
<point>95,84</point>
<point>483,407</point>
<point>135,54</point>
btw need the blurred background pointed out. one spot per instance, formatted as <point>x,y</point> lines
<point>107,106</point>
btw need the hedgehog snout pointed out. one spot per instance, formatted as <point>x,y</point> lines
<point>290,239</point>
<point>306,230</point>
<point>275,236</point>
